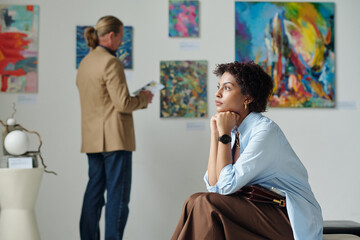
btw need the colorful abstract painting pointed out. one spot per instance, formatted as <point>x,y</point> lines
<point>183,18</point>
<point>124,52</point>
<point>19,25</point>
<point>185,92</point>
<point>294,43</point>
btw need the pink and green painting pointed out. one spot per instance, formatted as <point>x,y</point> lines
<point>185,91</point>
<point>294,43</point>
<point>124,52</point>
<point>183,18</point>
<point>19,26</point>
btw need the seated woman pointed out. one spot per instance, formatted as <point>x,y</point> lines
<point>262,156</point>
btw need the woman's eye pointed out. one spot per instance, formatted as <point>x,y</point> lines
<point>227,88</point>
<point>218,87</point>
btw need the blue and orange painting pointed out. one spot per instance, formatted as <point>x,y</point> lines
<point>124,52</point>
<point>294,43</point>
<point>185,91</point>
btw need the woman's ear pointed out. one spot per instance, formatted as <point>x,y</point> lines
<point>248,100</point>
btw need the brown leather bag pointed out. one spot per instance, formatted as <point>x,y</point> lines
<point>257,193</point>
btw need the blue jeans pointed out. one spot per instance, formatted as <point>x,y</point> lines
<point>110,171</point>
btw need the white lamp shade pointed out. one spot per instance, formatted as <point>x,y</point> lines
<point>16,142</point>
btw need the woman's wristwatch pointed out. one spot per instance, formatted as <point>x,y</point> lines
<point>224,139</point>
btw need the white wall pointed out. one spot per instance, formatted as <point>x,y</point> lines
<point>170,161</point>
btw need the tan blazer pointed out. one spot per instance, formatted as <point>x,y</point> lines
<point>106,105</point>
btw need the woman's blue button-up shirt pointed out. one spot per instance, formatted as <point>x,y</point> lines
<point>266,158</point>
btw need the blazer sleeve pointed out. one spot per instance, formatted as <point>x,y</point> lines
<point>118,90</point>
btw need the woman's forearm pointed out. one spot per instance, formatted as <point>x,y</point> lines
<point>226,121</point>
<point>212,160</point>
<point>223,157</point>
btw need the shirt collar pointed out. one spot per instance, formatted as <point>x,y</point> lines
<point>109,50</point>
<point>249,119</point>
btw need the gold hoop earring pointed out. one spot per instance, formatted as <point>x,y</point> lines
<point>245,106</point>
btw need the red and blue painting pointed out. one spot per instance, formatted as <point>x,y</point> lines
<point>19,25</point>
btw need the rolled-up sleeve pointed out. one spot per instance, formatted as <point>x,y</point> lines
<point>209,188</point>
<point>225,172</point>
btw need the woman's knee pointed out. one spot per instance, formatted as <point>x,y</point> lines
<point>201,198</point>
<point>193,200</point>
<point>217,201</point>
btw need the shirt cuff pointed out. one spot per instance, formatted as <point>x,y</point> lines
<point>209,188</point>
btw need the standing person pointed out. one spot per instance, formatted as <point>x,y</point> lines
<point>108,136</point>
<point>248,148</point>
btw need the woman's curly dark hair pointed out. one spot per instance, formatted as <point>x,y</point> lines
<point>253,81</point>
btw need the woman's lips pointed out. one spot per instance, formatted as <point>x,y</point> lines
<point>217,103</point>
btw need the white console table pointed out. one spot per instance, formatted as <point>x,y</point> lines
<point>18,193</point>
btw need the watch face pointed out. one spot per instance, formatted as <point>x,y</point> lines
<point>225,138</point>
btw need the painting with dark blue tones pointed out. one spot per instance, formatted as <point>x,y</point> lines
<point>124,52</point>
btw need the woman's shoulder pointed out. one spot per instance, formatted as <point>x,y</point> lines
<point>260,125</point>
<point>262,122</point>
<point>265,129</point>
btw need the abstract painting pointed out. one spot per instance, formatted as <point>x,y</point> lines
<point>124,52</point>
<point>19,25</point>
<point>294,43</point>
<point>185,92</point>
<point>183,18</point>
<point>81,46</point>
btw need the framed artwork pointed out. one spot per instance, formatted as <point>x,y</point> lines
<point>124,52</point>
<point>81,46</point>
<point>19,27</point>
<point>294,43</point>
<point>185,89</point>
<point>183,18</point>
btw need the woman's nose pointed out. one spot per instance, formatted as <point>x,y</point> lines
<point>218,93</point>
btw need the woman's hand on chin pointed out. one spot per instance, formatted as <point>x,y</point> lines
<point>225,121</point>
